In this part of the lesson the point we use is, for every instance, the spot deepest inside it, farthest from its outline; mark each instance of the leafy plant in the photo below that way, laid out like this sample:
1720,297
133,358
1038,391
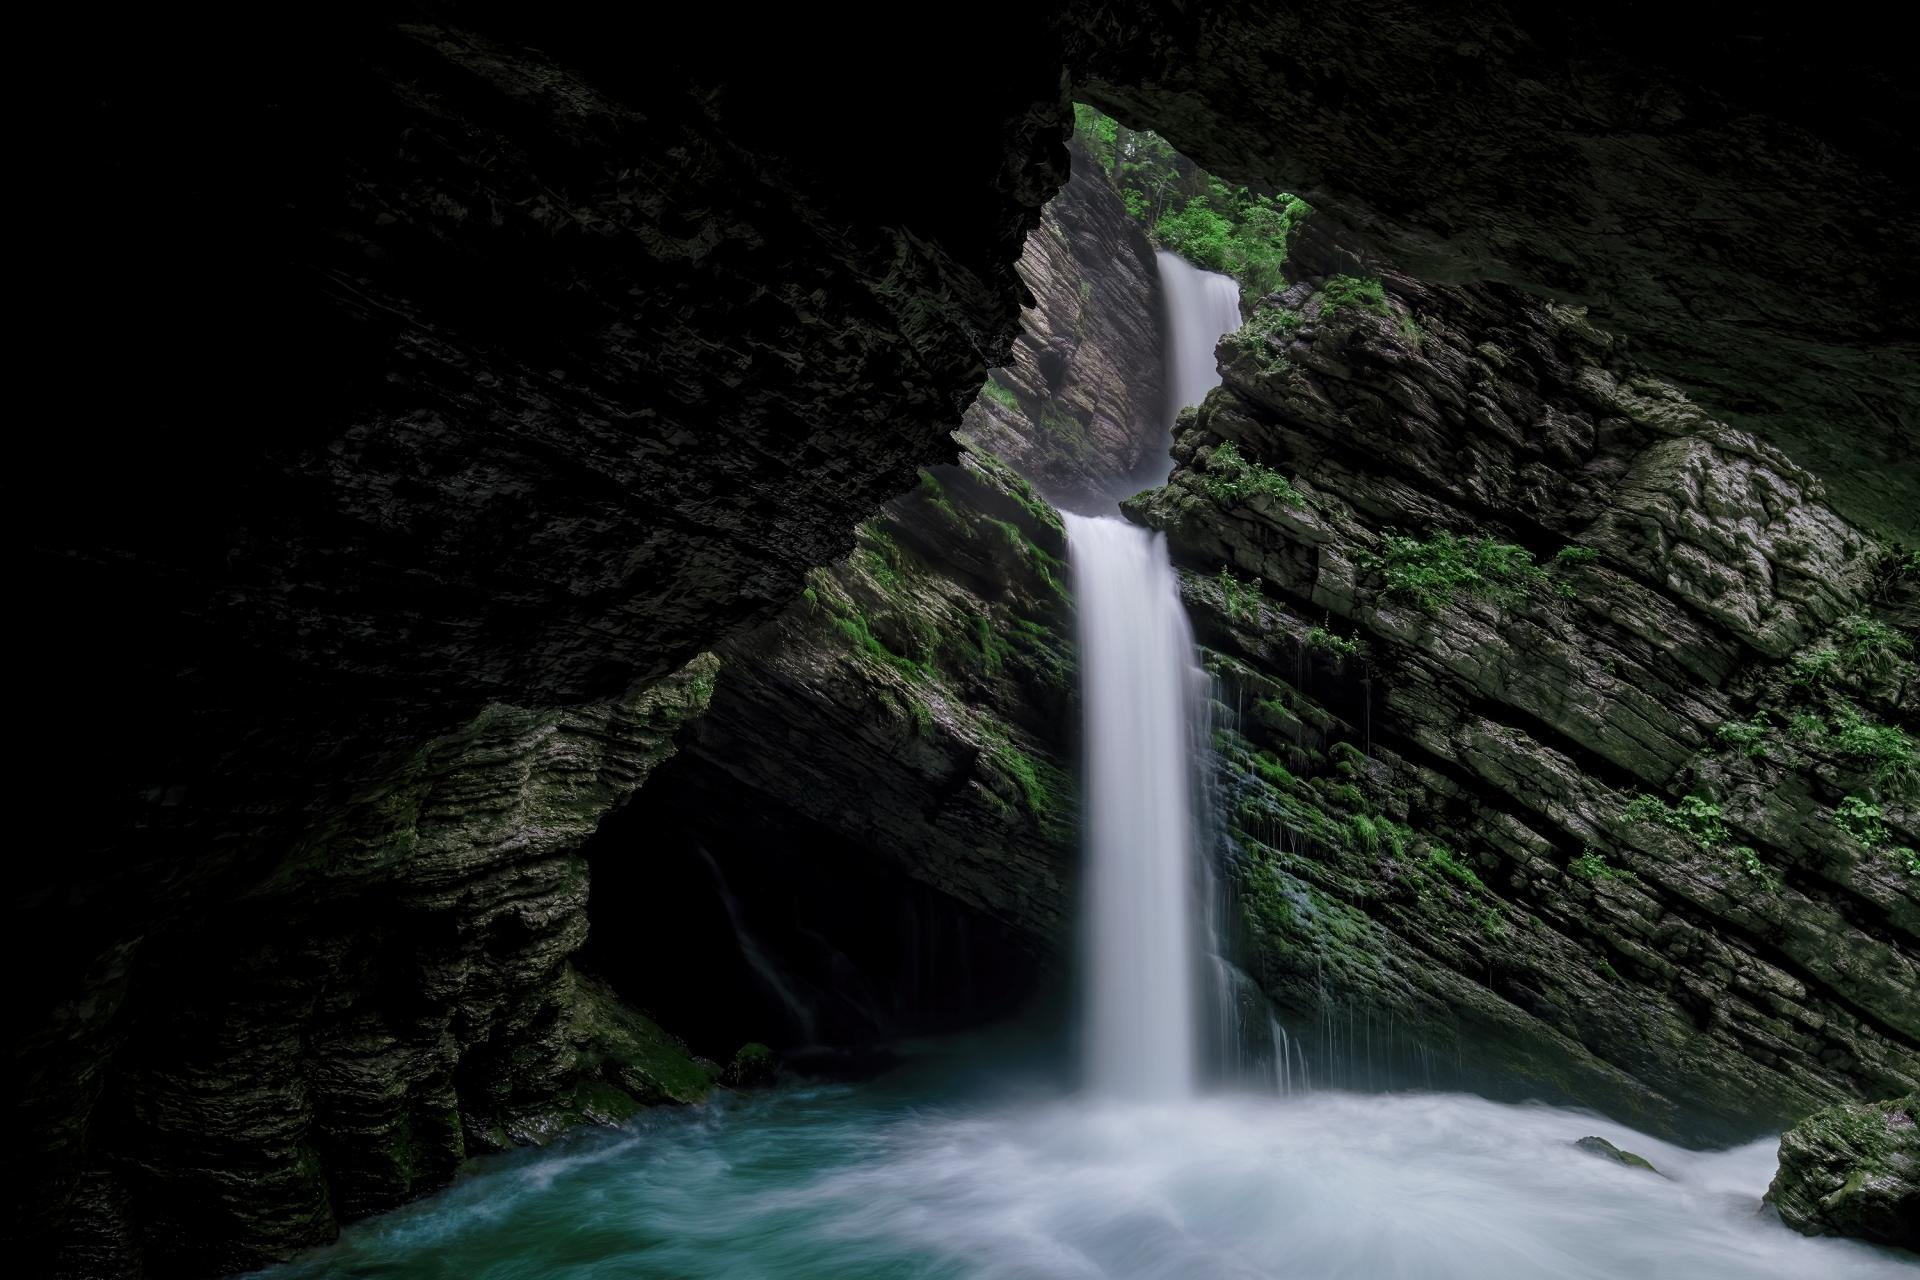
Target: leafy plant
1748,735
1863,820
1242,598
1590,865
1256,335
1437,571
1696,817
1886,748
1233,478
1570,556
1326,641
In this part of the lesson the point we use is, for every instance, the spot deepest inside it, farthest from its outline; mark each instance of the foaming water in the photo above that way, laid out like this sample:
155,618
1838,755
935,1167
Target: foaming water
874,1182
1137,674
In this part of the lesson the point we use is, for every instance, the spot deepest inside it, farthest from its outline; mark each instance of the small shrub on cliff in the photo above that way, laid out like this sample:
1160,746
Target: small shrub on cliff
1870,647
1590,865
1256,335
1695,817
1435,572
1242,599
1568,557
1748,735
1340,648
1365,293
1233,478
1887,749
1749,859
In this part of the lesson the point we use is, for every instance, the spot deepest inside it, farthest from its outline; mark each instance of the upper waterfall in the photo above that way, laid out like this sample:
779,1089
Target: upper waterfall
1201,306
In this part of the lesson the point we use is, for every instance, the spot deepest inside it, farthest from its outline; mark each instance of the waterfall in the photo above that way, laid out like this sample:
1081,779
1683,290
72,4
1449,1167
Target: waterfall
1138,676
750,951
1201,306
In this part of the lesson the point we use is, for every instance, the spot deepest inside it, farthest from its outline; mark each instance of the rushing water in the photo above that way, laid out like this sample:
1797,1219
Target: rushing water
915,1178
1201,306
1137,677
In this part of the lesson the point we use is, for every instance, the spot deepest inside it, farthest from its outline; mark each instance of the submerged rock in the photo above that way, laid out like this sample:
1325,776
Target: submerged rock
1853,1169
1607,1151
753,1065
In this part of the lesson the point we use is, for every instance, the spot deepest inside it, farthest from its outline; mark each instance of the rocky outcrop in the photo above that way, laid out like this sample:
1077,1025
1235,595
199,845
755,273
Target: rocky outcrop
399,997
1081,410
913,701
1569,718
1572,154
1853,1169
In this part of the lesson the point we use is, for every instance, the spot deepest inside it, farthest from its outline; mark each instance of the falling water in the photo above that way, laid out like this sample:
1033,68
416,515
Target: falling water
1201,306
1137,679
764,969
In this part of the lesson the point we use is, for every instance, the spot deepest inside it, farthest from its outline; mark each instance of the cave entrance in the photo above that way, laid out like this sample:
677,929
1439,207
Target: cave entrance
731,920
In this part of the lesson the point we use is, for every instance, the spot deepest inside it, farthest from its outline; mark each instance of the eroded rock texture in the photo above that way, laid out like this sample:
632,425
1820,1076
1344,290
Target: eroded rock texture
1853,1169
1572,152
1080,411
1633,827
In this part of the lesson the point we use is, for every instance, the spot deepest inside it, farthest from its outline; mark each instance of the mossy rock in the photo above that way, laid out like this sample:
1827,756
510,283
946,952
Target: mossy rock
753,1065
1607,1151
1853,1169
628,1050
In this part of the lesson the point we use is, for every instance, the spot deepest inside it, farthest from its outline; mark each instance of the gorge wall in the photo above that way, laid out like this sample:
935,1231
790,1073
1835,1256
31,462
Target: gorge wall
472,375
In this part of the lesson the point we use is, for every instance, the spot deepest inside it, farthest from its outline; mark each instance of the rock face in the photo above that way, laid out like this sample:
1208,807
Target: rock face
1081,410
1580,149
1568,717
1853,1169
400,996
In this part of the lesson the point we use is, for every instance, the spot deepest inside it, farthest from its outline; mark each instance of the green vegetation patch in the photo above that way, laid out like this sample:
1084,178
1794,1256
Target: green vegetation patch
993,392
1749,735
1230,478
1436,571
1361,292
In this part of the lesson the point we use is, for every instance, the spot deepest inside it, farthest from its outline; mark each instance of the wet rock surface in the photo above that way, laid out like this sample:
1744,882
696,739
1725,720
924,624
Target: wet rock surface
1853,1169
1550,732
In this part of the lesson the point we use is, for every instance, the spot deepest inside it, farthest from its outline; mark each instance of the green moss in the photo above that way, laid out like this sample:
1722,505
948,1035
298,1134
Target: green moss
994,393
1442,859
1232,478
1436,571
1019,766
1363,293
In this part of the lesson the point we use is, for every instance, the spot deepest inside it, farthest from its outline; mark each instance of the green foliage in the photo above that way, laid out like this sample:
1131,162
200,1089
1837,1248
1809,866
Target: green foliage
1869,646
1570,556
1365,293
1748,735
1435,572
1749,859
1863,820
994,651
1815,668
1591,865
1806,726
1255,337
1887,749
1211,224
922,716
1233,478
1242,598
1340,647
1695,817
1275,774
1908,860
993,391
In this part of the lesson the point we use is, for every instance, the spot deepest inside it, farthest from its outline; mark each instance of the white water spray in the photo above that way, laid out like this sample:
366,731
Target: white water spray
1137,678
